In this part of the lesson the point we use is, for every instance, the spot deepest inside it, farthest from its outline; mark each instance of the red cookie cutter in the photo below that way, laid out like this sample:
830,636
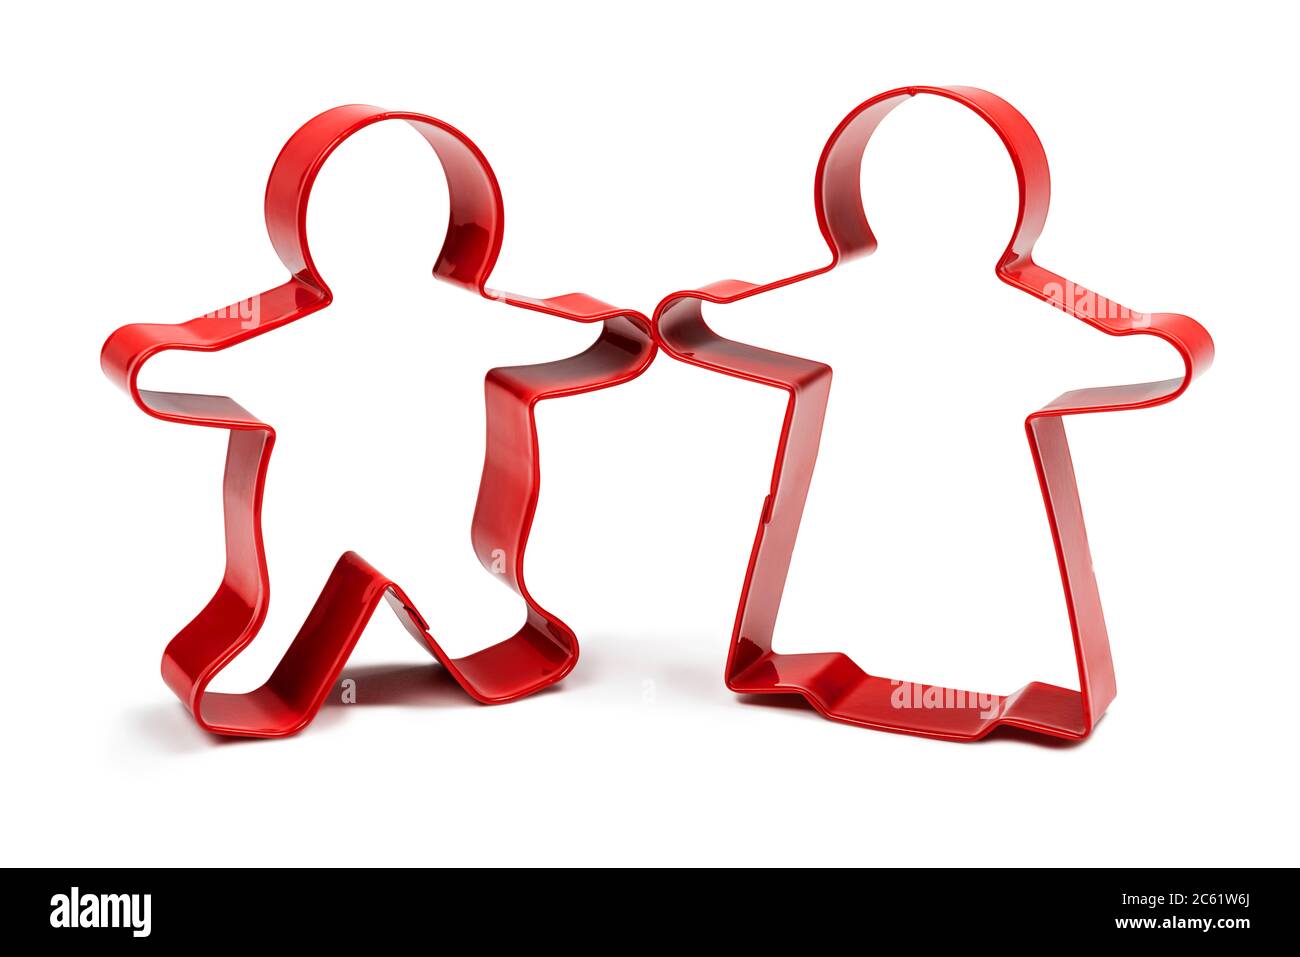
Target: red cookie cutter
831,682
545,649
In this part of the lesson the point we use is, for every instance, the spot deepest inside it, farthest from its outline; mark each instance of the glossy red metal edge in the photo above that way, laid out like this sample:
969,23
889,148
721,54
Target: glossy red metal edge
545,649
831,682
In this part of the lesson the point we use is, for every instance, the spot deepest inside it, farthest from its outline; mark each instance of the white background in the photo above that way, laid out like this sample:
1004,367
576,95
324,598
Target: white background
640,151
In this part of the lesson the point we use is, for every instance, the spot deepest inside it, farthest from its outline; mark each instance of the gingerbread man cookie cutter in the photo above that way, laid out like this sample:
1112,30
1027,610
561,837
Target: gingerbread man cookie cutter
544,650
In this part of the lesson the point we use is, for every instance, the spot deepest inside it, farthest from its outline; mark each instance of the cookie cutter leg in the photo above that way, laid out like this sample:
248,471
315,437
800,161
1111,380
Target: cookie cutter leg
831,682
544,650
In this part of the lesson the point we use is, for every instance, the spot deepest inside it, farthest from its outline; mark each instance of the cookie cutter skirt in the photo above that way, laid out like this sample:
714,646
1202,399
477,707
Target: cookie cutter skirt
831,682
544,650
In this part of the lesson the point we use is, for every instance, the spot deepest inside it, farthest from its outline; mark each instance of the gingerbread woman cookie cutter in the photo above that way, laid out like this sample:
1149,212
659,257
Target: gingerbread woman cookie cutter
831,682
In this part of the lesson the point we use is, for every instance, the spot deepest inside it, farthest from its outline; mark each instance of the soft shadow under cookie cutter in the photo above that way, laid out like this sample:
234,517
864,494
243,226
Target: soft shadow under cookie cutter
831,682
545,649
